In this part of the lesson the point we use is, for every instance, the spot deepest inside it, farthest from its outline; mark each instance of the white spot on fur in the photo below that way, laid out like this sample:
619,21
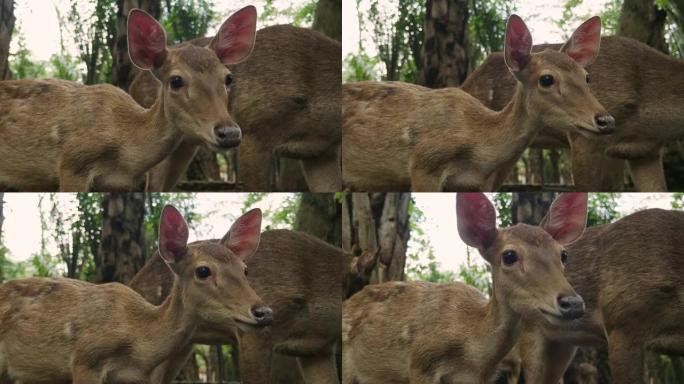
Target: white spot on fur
406,333
68,331
406,134
54,133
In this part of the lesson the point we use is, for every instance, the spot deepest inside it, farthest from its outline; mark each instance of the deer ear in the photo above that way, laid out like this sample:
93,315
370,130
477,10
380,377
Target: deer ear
583,46
146,40
518,44
476,220
235,39
567,217
173,235
243,237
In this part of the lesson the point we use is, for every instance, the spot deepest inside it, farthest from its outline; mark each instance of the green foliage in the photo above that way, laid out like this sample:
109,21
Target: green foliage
477,276
398,36
283,216
602,208
300,16
93,26
21,65
677,200
487,27
360,67
417,269
502,202
185,20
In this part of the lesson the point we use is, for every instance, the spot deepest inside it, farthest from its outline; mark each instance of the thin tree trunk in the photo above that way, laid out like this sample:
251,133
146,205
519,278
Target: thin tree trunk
375,228
122,68
328,18
445,54
6,26
642,20
319,215
2,215
120,255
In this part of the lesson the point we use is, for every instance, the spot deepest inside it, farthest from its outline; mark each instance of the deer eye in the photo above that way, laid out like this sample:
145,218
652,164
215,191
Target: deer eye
176,82
246,272
229,80
588,78
509,257
564,256
203,272
546,81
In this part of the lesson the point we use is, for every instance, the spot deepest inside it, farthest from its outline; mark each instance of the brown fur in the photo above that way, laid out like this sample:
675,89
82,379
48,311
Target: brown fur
286,100
644,93
399,136
301,278
424,333
62,135
59,330
629,273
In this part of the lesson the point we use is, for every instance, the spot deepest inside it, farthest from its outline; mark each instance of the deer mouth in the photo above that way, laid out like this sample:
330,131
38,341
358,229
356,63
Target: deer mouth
248,326
557,318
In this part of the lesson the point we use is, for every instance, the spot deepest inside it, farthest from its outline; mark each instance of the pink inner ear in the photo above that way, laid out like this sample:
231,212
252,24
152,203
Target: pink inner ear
518,43
583,46
567,217
173,234
244,235
146,40
235,40
476,219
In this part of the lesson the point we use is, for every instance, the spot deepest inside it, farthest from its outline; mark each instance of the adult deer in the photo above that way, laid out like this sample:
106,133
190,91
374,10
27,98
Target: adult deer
644,93
420,333
63,135
629,274
398,135
286,100
63,330
301,278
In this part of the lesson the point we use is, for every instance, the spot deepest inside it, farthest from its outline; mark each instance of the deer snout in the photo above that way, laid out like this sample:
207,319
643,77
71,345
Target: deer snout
263,315
605,123
571,306
227,135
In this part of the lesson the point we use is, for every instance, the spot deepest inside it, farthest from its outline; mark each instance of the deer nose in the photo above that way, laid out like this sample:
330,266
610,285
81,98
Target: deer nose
605,123
263,315
227,135
571,307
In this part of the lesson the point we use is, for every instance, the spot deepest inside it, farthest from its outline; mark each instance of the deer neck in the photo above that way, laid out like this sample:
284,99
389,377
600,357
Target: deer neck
499,332
513,130
155,137
173,326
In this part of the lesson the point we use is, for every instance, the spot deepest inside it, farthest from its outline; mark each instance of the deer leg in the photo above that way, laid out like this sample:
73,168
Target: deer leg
318,369
423,181
256,353
255,163
323,174
648,174
83,375
592,170
626,358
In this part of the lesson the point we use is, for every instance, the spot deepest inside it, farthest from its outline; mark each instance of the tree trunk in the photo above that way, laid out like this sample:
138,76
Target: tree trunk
2,216
530,207
122,68
375,229
6,27
328,18
642,20
444,54
319,215
120,255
